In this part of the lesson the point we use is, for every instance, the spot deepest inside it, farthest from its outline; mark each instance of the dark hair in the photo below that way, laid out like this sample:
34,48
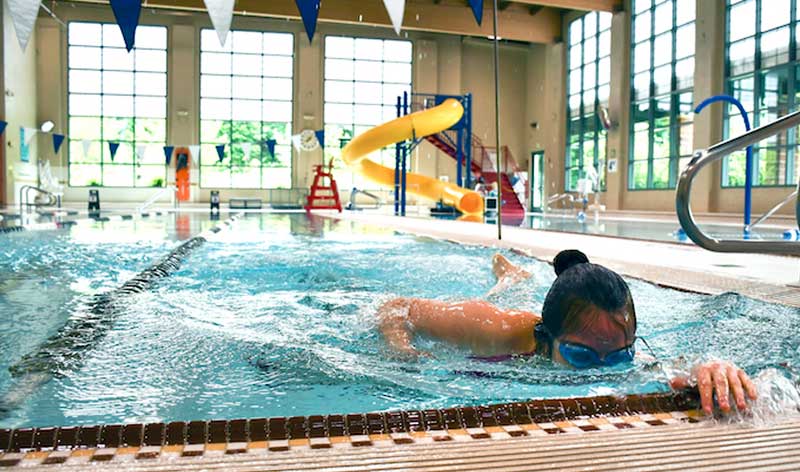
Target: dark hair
579,287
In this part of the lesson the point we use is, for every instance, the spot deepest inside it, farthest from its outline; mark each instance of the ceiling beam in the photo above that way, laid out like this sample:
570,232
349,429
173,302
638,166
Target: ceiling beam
583,5
451,17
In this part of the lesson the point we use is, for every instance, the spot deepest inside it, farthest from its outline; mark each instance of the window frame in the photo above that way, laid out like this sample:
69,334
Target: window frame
229,143
582,115
756,74
652,98
330,151
102,141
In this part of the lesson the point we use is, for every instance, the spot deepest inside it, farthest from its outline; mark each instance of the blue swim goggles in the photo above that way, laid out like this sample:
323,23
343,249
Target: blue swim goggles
583,357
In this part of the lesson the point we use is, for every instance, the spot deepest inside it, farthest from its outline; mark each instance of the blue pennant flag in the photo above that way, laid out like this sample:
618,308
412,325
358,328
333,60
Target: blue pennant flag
309,11
3,125
58,140
271,147
220,152
168,150
477,9
112,146
320,137
127,14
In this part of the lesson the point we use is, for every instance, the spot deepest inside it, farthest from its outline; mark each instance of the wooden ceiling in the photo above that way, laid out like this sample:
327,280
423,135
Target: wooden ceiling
534,21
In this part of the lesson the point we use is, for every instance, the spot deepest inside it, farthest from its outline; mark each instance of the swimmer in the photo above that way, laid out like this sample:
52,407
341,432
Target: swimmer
588,320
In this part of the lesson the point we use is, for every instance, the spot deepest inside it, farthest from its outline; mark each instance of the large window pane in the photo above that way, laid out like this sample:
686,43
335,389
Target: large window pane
116,96
661,102
246,98
763,74
363,78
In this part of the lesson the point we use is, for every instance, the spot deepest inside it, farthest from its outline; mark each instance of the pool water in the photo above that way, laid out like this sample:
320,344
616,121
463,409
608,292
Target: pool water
276,317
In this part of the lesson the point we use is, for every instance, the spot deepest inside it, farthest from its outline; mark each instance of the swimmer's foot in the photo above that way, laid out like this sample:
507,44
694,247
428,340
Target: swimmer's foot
501,266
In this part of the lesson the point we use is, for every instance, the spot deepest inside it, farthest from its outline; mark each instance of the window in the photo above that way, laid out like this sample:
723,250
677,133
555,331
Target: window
119,97
762,71
363,78
246,95
588,77
662,75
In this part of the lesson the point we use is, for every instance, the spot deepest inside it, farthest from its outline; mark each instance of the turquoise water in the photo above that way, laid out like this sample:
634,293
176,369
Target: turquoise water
275,317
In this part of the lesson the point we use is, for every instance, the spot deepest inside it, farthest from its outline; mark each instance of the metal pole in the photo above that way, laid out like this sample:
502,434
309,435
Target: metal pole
468,138
497,125
460,157
404,154
397,163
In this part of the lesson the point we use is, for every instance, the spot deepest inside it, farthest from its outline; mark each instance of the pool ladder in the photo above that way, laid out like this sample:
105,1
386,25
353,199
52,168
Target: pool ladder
716,153
24,198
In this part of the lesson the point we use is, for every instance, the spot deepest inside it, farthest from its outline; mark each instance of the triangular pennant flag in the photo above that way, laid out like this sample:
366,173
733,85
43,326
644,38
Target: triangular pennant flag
168,150
271,147
140,151
23,15
3,125
477,9
247,147
29,133
194,151
86,145
221,13
112,146
220,151
395,8
297,140
309,10
127,14
58,140
320,137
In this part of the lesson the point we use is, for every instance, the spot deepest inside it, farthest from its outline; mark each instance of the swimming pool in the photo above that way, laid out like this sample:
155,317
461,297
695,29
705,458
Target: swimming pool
275,317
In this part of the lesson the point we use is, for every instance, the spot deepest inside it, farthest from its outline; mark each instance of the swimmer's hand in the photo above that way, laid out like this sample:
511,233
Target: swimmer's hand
722,378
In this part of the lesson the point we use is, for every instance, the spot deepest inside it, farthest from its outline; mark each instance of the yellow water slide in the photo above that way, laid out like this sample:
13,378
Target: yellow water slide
416,125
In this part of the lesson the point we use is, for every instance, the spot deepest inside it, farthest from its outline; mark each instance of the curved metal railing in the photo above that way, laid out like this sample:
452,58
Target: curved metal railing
715,153
24,201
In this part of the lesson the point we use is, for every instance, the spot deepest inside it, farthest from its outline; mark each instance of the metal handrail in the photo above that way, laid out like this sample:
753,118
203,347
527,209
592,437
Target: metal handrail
715,153
356,191
765,216
560,197
153,198
23,197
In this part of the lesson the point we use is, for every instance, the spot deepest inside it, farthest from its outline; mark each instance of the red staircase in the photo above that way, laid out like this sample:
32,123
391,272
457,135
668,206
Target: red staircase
324,196
480,160
511,203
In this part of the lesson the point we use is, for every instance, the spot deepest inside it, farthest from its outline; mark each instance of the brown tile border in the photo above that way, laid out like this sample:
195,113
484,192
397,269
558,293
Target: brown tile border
477,421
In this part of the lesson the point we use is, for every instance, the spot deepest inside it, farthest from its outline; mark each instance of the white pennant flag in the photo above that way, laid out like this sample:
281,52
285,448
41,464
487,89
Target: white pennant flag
140,152
395,8
297,140
194,150
28,134
23,14
86,145
247,147
221,13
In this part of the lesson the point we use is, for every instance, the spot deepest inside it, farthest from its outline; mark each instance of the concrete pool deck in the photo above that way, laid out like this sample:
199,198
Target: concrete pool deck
770,278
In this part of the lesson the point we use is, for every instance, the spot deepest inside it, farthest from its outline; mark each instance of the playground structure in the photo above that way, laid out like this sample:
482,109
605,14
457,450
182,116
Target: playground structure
446,122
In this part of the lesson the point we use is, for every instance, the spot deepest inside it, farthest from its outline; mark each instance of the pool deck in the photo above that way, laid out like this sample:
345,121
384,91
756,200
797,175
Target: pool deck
770,278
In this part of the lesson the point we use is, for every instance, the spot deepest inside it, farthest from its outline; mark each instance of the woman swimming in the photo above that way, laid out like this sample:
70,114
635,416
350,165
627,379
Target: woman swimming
588,320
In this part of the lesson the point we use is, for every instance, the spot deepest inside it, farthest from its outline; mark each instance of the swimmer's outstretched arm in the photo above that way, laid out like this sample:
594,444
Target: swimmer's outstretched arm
730,384
394,325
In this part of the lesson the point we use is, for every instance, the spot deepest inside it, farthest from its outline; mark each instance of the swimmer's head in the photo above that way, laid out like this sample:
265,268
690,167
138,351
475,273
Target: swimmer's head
588,305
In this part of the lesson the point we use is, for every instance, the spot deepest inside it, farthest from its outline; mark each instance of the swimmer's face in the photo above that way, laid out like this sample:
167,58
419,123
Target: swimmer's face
607,334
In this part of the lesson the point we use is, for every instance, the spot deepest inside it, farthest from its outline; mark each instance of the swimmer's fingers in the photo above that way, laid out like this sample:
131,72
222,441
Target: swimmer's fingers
736,386
749,386
721,386
706,388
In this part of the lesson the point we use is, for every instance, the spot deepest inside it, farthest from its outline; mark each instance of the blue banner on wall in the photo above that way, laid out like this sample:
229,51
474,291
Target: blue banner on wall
320,137
58,140
309,11
112,146
168,150
3,125
127,14
220,152
477,9
271,147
